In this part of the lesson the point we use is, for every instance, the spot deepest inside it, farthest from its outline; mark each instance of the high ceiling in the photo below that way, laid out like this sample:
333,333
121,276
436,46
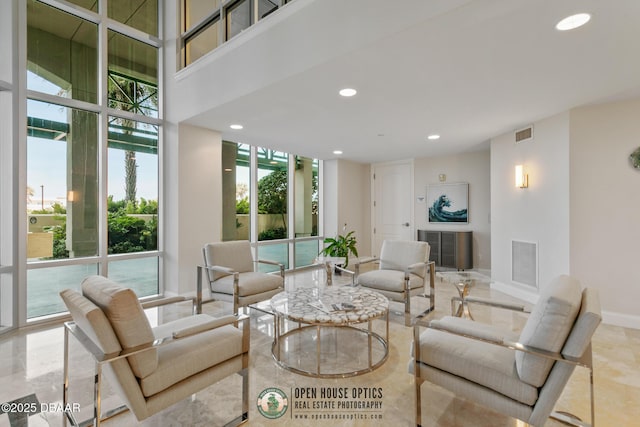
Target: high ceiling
466,70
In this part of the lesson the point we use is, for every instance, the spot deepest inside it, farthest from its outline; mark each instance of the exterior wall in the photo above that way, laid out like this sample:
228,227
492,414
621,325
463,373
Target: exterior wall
539,213
605,206
473,168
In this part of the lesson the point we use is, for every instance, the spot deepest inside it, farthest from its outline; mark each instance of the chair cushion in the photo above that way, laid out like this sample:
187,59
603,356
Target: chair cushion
188,356
90,318
476,393
235,255
249,283
399,254
548,327
491,366
389,280
127,318
464,326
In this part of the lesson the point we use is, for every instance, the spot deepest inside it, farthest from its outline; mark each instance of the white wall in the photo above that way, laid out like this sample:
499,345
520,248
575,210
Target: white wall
539,213
473,168
7,18
605,206
230,71
192,180
582,204
329,207
354,202
347,200
6,184
193,208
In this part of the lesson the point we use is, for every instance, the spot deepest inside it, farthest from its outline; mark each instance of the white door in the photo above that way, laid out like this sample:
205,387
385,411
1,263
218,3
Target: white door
392,203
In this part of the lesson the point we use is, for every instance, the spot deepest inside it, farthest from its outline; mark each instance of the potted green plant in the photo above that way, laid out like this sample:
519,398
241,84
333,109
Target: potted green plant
341,246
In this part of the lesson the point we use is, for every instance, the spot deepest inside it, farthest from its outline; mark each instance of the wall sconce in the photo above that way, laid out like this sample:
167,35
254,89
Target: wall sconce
71,196
522,179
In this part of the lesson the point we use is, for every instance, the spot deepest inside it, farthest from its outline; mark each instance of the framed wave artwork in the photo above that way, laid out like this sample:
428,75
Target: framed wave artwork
448,203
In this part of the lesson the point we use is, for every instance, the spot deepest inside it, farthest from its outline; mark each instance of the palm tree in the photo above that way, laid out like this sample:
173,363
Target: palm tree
128,94
131,177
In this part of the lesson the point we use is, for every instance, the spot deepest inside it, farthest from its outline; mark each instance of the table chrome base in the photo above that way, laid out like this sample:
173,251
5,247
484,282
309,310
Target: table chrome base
275,350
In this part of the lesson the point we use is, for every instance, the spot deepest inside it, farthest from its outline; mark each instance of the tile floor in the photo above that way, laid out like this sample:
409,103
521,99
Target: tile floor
31,362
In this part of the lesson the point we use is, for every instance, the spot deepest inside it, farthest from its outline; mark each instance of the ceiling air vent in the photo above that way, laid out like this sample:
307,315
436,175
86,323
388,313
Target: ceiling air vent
524,134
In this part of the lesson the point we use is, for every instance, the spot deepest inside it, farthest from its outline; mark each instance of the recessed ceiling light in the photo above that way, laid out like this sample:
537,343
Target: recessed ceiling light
236,127
573,22
337,152
433,137
348,92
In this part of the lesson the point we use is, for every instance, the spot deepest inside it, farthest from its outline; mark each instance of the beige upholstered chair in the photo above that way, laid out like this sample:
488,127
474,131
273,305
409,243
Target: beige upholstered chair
152,368
520,376
403,270
230,271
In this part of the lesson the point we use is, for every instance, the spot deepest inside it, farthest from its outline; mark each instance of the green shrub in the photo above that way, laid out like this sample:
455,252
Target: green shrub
60,241
115,206
147,206
126,233
131,234
273,234
242,206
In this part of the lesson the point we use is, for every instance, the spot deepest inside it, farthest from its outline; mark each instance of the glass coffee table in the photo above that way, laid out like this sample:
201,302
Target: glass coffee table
463,282
329,263
327,343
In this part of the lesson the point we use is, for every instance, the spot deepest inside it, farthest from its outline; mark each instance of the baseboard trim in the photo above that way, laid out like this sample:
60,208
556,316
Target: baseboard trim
608,317
619,319
515,291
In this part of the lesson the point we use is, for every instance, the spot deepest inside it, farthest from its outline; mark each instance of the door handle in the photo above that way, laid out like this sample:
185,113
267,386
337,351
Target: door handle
406,224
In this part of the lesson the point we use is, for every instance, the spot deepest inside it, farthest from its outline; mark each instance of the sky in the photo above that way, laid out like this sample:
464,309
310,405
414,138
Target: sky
47,163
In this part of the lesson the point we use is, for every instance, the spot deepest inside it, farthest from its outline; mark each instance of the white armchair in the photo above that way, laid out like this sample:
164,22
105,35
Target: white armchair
151,368
404,267
520,376
230,271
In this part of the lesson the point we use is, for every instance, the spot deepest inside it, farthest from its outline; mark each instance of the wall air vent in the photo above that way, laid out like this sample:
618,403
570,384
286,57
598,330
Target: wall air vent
524,263
524,134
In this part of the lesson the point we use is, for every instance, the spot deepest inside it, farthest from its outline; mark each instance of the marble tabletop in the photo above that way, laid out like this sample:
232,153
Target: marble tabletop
316,305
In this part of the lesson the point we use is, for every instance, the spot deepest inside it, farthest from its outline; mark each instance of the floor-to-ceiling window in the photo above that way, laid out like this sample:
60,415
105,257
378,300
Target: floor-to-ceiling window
62,202
132,204
92,147
271,198
305,181
272,192
236,184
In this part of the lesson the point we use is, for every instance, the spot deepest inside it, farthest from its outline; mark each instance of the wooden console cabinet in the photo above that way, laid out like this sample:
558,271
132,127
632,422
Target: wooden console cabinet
452,249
